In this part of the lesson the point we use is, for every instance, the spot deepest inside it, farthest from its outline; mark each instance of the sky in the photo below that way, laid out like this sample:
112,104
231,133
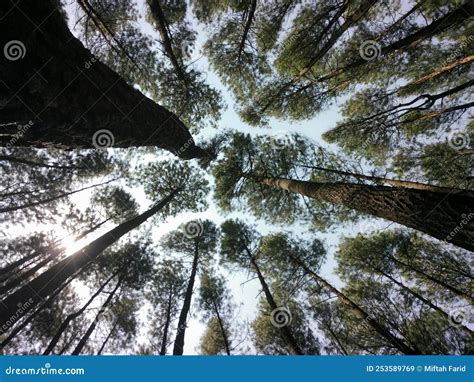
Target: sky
246,294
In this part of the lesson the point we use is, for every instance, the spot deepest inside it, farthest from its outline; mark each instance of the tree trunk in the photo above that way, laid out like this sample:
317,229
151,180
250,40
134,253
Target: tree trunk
52,199
162,26
223,331
59,95
107,338
439,214
164,342
73,316
285,331
379,328
423,300
180,332
248,23
46,283
451,19
435,280
92,326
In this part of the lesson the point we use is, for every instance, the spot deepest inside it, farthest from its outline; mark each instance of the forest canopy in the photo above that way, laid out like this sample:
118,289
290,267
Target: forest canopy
233,177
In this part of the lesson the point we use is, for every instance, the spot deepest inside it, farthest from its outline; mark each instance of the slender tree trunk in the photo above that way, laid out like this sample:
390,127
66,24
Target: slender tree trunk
107,338
46,283
70,95
336,339
162,26
451,19
93,229
52,199
423,300
180,332
248,23
92,326
73,316
223,331
164,342
10,267
439,214
363,315
285,331
434,280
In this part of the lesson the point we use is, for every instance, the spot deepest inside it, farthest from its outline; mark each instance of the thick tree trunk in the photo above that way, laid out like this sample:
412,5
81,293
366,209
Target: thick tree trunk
223,331
45,284
92,326
181,331
439,214
59,95
379,328
285,331
164,342
73,316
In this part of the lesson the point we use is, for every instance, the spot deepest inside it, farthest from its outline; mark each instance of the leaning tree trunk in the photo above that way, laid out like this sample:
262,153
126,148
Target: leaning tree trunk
108,337
285,331
442,215
221,326
55,93
362,314
71,317
45,284
181,331
93,325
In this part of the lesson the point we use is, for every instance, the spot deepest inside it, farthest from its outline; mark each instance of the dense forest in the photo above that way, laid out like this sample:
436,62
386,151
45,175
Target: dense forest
236,177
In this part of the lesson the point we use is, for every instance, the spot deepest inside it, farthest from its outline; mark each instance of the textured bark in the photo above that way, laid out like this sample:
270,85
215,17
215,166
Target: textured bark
361,313
68,95
183,316
73,316
285,331
164,342
439,214
49,281
93,325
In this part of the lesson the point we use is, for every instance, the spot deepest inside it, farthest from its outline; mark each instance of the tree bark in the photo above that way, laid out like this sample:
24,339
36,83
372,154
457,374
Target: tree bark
92,326
285,331
73,316
362,314
46,283
181,331
248,23
439,214
68,95
164,342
